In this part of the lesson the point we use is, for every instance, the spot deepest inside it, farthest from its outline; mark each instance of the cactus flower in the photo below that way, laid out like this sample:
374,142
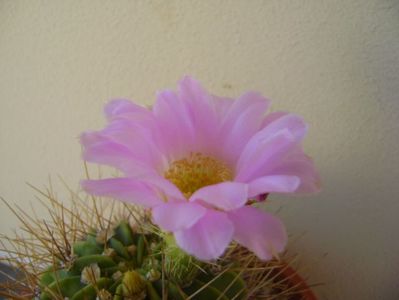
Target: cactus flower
197,161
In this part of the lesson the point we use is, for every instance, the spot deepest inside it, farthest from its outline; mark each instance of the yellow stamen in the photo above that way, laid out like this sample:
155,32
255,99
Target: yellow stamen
196,171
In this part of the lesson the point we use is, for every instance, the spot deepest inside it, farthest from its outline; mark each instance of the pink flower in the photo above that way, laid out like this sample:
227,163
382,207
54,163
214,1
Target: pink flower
196,159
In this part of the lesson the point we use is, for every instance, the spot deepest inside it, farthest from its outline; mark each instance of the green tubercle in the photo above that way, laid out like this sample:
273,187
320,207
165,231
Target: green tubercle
180,267
122,264
134,286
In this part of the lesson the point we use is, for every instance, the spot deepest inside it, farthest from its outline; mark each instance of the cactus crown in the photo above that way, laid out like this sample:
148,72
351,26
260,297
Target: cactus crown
126,264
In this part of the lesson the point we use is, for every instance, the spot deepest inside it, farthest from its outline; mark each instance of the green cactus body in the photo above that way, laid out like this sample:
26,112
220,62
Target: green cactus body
90,290
128,265
67,287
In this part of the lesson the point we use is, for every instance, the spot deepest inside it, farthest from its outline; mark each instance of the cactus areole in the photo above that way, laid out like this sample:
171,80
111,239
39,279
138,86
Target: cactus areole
126,264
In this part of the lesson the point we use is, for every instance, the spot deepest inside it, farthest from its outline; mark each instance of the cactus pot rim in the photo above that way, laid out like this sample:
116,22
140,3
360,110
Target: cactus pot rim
295,279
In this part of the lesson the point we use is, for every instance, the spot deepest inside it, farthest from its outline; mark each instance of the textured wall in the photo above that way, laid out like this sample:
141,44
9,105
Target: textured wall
334,62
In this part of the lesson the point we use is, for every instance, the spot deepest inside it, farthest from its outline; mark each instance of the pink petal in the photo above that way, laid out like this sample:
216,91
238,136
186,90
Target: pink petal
293,123
267,153
175,122
273,184
203,114
225,195
134,126
260,152
102,149
222,105
259,231
118,107
191,91
173,216
241,122
300,165
138,139
163,185
125,189
107,148
278,123
208,238
272,117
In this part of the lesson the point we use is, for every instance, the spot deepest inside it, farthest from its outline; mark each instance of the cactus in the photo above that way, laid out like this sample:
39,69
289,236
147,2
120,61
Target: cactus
127,264
66,257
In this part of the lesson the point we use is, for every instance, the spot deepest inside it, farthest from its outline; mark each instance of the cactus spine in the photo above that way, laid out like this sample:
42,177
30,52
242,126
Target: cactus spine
126,264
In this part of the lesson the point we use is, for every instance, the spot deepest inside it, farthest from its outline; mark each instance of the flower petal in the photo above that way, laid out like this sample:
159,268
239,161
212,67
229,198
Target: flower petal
163,185
173,216
208,238
299,164
260,151
119,107
113,146
203,113
125,189
290,125
272,117
134,127
241,122
225,195
291,122
222,105
259,231
175,122
273,184
102,149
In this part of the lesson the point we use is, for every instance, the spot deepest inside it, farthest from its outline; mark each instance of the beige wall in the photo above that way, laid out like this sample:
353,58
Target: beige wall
334,62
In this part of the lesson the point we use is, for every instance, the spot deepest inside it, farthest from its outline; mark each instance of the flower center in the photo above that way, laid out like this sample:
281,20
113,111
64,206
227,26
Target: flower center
196,171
